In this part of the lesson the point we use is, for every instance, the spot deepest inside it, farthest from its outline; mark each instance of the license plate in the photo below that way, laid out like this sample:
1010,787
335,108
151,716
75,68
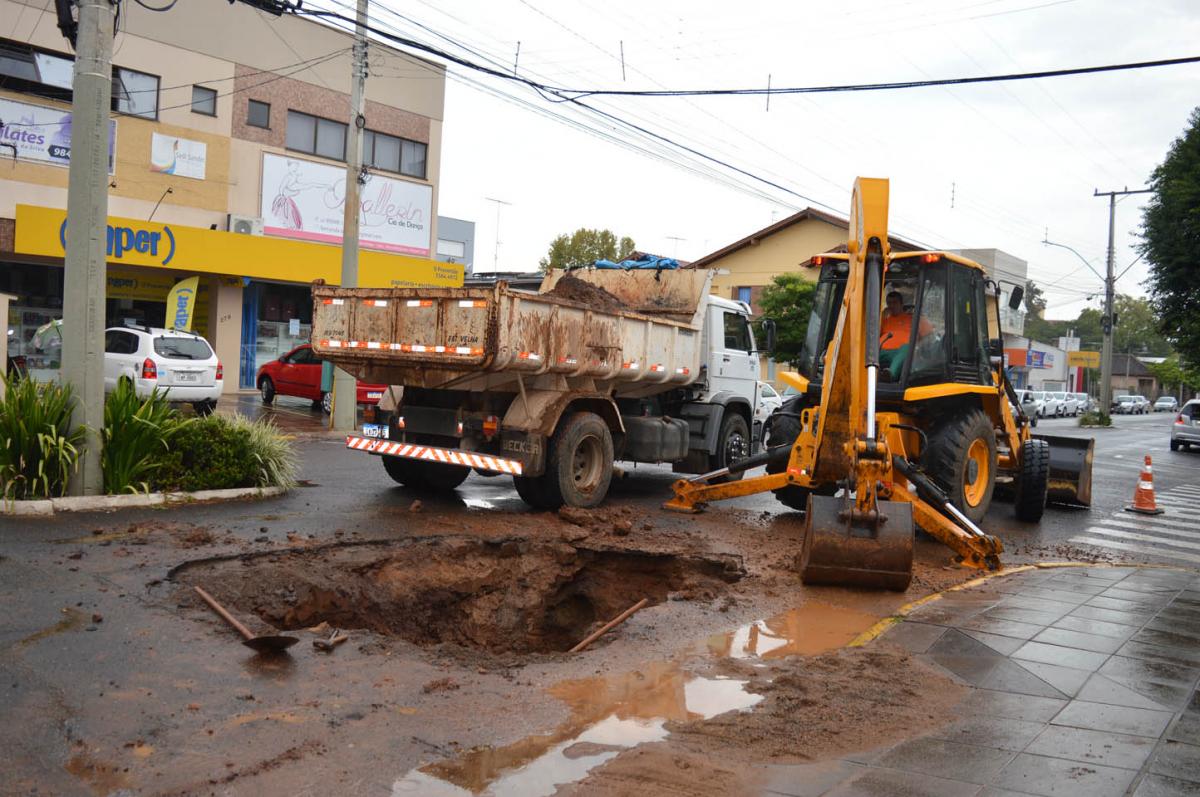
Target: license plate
374,395
185,376
374,430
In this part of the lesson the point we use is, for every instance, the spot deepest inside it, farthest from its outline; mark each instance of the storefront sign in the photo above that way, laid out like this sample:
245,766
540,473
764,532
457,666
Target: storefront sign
180,303
1083,359
1036,359
178,156
41,231
43,134
303,199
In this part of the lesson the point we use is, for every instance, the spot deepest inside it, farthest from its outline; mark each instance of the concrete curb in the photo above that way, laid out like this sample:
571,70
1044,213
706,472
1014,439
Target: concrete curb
94,503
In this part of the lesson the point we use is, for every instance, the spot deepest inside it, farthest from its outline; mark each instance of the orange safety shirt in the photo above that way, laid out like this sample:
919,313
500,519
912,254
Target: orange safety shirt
901,328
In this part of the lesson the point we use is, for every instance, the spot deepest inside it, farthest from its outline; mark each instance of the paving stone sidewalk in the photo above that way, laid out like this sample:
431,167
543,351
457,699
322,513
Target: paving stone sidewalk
1084,683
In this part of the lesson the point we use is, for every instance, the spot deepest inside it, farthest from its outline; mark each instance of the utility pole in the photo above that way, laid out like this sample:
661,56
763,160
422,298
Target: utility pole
87,224
345,386
1110,282
496,253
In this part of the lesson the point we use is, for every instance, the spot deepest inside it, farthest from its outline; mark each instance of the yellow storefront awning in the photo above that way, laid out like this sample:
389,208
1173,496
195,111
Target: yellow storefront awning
42,232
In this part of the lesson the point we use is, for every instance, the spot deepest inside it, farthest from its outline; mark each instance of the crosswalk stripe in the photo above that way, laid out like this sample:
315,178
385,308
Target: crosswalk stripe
1168,519
1137,525
1185,488
1135,548
1131,535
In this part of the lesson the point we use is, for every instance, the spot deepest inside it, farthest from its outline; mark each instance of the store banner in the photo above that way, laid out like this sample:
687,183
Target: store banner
303,199
178,156
43,134
181,301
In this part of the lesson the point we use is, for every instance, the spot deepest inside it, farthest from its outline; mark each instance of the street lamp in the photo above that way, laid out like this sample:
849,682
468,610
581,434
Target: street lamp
1106,324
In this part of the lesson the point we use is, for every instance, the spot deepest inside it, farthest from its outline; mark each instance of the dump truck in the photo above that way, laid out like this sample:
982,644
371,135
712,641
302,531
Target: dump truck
548,387
904,417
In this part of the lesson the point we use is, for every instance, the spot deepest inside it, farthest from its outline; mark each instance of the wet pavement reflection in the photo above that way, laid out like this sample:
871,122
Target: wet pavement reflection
608,714
292,415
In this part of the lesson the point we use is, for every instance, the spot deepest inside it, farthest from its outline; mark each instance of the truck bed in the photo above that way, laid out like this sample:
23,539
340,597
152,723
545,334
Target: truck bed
497,338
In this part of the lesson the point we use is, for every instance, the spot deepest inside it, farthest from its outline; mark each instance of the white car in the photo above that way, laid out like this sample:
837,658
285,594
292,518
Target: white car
769,400
1052,406
1084,401
1068,403
180,365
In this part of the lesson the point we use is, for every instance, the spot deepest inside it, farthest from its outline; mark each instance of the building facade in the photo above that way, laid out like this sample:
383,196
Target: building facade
456,242
227,149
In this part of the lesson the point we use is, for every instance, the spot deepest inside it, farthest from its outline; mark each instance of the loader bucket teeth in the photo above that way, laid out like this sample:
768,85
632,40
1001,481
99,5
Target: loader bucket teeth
1070,479
842,552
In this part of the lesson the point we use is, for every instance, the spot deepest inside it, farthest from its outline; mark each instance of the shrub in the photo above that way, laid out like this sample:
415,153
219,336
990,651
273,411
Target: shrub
137,438
1096,418
38,448
208,454
274,457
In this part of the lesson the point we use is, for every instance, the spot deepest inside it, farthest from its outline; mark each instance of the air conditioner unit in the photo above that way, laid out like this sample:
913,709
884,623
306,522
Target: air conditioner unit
245,225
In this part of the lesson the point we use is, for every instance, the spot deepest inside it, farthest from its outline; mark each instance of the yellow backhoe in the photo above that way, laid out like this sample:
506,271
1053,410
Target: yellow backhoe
904,415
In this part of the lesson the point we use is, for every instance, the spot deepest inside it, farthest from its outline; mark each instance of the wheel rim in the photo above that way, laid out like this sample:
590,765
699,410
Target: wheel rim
735,448
587,463
975,479
327,403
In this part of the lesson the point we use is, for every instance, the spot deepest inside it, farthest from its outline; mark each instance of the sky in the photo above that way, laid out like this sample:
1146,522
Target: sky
978,166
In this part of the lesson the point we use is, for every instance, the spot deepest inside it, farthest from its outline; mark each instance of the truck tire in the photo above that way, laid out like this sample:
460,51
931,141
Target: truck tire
961,458
533,492
579,464
733,444
431,477
783,431
1032,481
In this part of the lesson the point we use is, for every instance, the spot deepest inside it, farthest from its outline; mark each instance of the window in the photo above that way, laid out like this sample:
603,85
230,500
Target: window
316,136
743,294
117,342
737,332
451,248
24,69
258,114
204,100
135,93
182,348
393,154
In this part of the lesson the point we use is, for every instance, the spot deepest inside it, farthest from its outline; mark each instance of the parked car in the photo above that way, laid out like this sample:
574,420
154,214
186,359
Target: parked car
1185,431
1029,405
180,365
298,373
1166,404
1086,403
769,401
1051,406
1131,405
1068,404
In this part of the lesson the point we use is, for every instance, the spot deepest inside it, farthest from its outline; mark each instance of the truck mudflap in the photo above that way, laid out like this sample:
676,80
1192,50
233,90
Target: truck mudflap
448,456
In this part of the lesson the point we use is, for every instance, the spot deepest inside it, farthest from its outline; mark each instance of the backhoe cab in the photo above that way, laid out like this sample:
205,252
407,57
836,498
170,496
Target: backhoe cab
903,416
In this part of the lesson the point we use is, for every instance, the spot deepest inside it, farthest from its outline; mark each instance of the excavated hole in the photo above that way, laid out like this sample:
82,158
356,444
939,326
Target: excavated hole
501,596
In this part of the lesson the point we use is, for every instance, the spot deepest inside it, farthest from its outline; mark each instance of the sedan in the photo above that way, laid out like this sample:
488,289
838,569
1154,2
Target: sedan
298,373
1166,404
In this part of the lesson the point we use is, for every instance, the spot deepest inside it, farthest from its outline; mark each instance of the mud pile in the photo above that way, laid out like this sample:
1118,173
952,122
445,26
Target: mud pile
501,596
573,289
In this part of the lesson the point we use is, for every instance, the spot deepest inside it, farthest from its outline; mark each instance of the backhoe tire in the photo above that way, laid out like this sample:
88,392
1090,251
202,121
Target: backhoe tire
733,444
784,430
1032,481
579,465
961,458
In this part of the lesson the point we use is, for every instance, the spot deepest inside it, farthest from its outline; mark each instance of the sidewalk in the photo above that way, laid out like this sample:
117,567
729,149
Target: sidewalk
1084,684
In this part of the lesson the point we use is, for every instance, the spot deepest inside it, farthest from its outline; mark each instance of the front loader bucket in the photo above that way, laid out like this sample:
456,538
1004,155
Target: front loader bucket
1070,470
849,553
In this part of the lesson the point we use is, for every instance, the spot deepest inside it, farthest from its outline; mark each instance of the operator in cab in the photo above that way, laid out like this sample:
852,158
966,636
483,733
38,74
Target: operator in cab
895,333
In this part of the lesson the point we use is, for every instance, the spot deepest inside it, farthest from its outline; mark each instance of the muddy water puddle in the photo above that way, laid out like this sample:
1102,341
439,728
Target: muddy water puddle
803,631
608,715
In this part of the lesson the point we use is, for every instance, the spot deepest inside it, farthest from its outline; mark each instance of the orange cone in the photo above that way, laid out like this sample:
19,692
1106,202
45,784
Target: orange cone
1143,495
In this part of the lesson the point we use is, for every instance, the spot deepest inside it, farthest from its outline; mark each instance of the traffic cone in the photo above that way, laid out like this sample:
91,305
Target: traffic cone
1143,495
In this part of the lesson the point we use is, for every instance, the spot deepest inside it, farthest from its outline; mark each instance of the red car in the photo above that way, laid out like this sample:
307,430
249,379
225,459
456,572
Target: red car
298,373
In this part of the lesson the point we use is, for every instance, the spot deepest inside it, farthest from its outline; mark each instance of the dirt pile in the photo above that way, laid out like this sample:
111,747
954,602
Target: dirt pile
573,289
498,595
814,708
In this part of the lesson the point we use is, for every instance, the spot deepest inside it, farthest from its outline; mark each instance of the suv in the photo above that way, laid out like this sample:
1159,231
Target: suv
180,365
1185,432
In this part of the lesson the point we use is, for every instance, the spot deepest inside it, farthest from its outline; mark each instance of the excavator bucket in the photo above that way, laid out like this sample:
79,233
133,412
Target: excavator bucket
845,552
1070,470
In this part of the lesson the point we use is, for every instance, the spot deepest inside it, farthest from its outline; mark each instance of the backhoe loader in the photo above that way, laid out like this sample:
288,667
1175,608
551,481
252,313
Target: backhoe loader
905,415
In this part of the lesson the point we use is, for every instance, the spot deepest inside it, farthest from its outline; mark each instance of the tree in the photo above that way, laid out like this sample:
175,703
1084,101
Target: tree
1170,239
788,302
1137,329
584,247
1035,300
1173,375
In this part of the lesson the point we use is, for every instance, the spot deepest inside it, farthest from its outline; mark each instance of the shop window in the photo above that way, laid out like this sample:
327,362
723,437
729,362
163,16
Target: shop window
135,93
204,100
258,114
316,136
